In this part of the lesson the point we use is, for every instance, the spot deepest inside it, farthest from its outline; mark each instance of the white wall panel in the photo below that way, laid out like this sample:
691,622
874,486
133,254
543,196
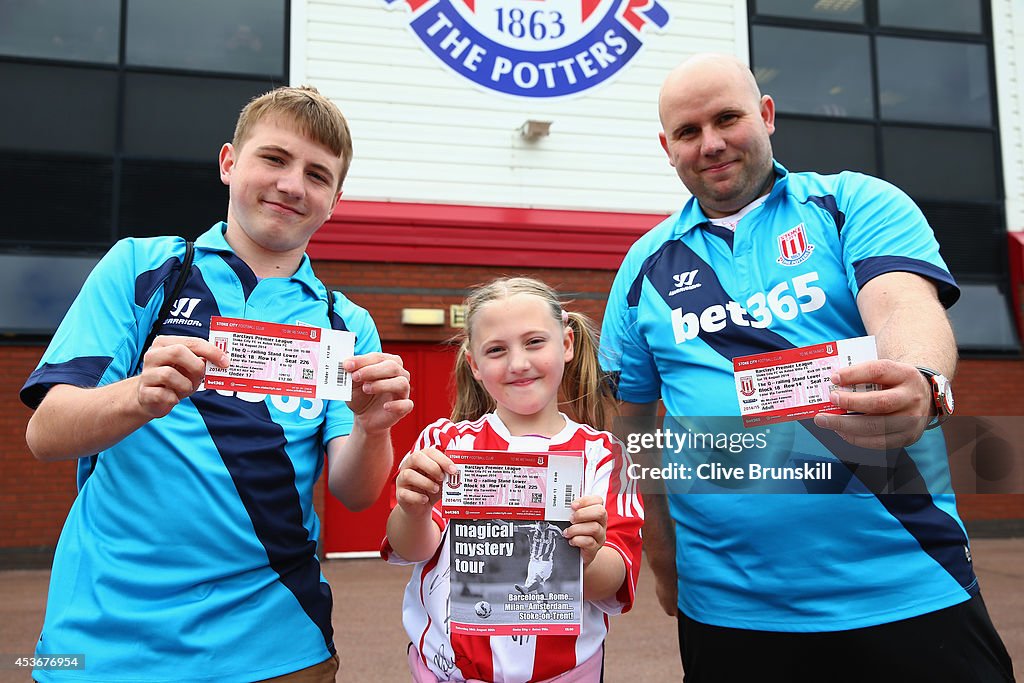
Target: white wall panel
426,134
1008,36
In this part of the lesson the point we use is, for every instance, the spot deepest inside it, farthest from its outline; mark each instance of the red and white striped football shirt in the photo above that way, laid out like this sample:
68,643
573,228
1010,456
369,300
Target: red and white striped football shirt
521,659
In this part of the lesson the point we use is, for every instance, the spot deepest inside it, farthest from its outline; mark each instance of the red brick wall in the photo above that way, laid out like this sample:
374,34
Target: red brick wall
35,496
990,387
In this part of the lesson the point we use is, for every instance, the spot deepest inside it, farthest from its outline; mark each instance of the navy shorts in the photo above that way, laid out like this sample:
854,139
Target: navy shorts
958,644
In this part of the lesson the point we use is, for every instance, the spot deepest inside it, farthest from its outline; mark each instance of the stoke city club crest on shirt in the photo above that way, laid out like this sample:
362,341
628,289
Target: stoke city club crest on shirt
534,48
794,248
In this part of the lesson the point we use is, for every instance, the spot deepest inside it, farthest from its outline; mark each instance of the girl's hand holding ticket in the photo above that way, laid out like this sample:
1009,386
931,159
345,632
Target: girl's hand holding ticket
589,526
420,478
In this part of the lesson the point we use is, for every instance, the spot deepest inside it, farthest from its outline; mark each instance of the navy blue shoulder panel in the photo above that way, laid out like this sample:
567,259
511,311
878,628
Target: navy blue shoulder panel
633,296
726,234
147,283
828,202
867,269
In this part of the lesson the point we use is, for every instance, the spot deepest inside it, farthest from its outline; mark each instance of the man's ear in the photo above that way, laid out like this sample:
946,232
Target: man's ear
226,162
768,113
664,145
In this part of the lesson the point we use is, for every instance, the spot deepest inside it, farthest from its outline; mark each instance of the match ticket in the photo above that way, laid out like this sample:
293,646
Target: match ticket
795,384
492,484
287,360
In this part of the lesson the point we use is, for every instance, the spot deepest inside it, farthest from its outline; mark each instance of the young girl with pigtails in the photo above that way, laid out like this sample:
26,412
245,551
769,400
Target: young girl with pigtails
523,356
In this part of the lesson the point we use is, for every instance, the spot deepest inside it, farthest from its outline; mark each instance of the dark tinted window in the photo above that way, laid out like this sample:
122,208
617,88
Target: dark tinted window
233,36
820,10
63,109
97,146
38,290
197,130
78,30
941,15
972,238
53,199
824,146
838,85
934,81
981,319
930,128
941,164
147,209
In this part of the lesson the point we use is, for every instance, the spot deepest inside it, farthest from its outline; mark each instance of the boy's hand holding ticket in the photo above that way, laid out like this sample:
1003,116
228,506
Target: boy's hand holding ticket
287,360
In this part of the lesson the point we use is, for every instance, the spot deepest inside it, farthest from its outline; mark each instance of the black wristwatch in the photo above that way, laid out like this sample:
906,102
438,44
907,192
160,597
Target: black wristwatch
942,395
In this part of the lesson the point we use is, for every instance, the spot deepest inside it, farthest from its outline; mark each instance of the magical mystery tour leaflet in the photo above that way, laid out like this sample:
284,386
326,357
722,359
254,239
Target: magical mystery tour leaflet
512,571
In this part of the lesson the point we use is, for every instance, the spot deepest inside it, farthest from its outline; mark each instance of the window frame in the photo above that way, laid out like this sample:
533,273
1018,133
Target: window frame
998,276
27,242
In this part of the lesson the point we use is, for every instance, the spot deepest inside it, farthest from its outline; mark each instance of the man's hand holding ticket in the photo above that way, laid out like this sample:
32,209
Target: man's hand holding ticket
796,384
287,360
894,416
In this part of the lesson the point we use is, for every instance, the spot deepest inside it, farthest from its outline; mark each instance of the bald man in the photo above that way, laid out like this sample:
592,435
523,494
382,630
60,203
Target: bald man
875,582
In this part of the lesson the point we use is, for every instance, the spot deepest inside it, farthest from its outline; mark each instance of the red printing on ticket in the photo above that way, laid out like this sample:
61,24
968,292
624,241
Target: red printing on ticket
795,384
785,356
219,324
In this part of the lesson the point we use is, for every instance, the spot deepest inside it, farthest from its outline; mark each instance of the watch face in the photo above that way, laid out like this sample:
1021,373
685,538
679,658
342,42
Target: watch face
947,398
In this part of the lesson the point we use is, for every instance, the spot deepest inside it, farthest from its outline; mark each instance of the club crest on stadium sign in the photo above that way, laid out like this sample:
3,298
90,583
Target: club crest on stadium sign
534,48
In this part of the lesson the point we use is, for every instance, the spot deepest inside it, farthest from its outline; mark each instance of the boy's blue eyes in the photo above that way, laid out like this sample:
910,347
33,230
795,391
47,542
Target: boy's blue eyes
315,176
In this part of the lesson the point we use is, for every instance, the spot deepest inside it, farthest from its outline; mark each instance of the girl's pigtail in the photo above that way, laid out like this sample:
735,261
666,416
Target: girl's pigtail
471,401
584,388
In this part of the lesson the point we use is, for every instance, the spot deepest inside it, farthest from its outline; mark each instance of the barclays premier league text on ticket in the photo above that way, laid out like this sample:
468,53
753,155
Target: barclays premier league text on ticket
795,384
499,484
287,360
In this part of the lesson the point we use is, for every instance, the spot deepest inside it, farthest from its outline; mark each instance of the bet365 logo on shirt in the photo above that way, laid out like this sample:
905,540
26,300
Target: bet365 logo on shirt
785,301
534,48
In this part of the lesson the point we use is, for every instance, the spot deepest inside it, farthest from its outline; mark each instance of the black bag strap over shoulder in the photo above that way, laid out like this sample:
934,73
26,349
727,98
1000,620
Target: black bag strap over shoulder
335,320
165,309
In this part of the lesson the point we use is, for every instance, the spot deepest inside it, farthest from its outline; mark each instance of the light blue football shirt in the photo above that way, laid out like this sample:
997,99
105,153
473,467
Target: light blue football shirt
190,551
688,298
